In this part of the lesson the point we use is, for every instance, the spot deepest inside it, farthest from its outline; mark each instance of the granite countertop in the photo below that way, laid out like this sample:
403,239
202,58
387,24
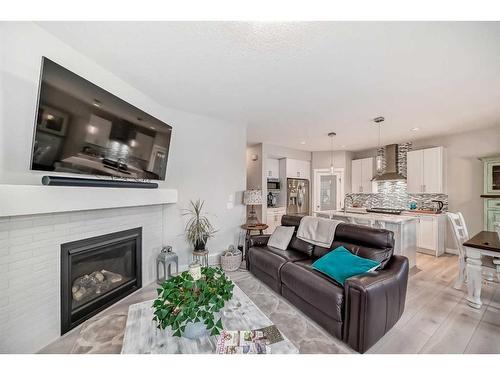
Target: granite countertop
417,213
395,219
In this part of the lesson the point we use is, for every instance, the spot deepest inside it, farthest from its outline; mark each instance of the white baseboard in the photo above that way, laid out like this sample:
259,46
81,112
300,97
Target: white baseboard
451,251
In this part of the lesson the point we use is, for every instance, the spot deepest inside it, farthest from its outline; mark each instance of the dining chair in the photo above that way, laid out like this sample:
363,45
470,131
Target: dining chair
497,227
461,235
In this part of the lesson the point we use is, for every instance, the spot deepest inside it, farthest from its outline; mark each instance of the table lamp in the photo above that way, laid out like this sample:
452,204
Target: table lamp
252,198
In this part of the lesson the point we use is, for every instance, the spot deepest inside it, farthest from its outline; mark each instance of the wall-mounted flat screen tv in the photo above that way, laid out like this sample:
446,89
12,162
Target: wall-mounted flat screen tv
83,129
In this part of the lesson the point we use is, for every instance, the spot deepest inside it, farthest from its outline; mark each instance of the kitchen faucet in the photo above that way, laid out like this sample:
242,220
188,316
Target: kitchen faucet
345,199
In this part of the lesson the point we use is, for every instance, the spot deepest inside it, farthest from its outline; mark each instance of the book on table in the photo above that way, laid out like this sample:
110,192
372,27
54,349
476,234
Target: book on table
256,341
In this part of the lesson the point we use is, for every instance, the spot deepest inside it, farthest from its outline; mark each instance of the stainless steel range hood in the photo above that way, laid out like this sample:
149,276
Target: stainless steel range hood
391,165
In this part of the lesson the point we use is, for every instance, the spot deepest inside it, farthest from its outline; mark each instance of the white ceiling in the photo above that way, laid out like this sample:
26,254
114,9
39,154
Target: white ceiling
295,82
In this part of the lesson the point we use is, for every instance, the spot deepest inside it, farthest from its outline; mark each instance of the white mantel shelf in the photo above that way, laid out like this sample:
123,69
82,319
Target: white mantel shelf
18,200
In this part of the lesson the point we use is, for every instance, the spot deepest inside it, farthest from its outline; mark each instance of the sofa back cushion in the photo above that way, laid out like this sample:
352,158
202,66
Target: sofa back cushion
300,245
363,241
291,221
296,243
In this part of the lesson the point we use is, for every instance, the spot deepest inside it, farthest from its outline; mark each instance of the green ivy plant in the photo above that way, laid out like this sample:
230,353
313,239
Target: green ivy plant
182,300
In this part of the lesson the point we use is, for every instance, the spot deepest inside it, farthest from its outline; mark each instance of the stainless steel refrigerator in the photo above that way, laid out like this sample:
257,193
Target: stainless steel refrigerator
297,196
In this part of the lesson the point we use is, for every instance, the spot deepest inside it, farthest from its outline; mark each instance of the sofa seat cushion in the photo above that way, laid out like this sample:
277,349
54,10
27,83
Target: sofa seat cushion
290,255
315,288
270,259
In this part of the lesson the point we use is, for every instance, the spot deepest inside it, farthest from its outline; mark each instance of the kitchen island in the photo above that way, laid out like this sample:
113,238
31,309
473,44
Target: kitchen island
404,228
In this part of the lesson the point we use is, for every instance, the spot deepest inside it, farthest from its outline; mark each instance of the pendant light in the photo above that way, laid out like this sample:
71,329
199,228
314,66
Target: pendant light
379,159
331,135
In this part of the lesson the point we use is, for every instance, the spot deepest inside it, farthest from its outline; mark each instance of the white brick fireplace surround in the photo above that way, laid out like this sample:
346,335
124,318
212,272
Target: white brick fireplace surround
30,266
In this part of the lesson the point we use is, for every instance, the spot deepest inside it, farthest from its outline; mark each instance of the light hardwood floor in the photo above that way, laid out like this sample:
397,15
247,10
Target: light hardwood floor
436,319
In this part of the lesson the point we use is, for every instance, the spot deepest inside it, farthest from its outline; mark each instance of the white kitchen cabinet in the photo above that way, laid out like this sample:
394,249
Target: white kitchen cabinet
362,175
298,168
98,131
274,216
356,176
431,231
142,146
433,170
415,172
273,168
367,175
304,169
425,171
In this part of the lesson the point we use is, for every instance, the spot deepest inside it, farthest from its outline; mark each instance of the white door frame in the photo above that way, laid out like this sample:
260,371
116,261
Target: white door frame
317,173
154,150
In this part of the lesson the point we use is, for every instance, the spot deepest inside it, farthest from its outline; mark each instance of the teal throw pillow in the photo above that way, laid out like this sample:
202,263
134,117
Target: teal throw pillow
340,264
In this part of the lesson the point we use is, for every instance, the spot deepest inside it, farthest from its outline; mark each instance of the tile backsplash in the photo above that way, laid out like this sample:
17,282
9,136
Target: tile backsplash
393,194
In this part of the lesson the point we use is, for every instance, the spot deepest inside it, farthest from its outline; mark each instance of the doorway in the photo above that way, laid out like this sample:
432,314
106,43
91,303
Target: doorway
328,189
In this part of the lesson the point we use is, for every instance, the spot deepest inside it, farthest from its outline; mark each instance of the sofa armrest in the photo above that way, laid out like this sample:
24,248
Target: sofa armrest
258,240
255,241
374,303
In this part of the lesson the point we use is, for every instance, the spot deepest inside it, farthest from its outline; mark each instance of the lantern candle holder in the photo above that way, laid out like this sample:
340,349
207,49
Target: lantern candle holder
164,263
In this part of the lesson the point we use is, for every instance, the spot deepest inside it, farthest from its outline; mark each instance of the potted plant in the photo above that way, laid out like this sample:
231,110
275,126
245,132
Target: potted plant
198,228
190,307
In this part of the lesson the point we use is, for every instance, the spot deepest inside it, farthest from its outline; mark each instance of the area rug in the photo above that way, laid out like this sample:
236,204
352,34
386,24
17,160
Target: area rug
103,335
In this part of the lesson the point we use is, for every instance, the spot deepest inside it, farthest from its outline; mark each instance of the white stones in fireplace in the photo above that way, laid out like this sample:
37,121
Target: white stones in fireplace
30,256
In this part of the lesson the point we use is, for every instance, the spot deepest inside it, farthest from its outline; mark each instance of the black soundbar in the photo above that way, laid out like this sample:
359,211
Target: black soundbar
92,182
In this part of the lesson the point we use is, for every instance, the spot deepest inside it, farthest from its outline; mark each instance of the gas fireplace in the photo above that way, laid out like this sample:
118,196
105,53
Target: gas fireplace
97,272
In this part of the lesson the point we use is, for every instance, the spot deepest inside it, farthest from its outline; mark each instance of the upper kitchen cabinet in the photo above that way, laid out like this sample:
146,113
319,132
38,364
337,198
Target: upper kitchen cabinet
273,168
362,175
425,171
142,146
491,192
98,131
297,168
491,175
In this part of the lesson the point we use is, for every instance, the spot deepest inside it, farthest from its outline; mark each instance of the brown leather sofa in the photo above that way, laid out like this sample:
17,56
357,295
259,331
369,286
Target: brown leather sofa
360,312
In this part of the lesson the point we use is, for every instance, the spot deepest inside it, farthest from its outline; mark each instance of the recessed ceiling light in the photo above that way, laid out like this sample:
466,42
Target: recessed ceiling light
303,142
415,129
152,127
96,103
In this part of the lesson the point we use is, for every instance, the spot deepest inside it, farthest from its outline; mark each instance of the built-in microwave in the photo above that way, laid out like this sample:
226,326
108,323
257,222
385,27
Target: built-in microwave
273,184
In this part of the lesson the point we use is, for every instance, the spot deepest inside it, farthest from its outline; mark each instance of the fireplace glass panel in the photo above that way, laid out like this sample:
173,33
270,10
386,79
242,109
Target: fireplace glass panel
99,272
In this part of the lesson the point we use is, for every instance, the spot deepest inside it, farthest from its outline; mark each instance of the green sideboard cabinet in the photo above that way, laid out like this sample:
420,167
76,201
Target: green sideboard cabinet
491,192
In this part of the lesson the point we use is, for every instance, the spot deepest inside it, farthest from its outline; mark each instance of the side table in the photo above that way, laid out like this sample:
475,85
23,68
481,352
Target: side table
249,228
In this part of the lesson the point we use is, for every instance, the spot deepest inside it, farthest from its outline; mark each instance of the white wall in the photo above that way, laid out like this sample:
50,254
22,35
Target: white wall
255,172
207,155
464,172
279,152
